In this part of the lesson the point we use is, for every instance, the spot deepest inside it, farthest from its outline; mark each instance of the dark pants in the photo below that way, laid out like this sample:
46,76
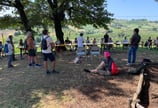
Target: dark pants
21,53
10,59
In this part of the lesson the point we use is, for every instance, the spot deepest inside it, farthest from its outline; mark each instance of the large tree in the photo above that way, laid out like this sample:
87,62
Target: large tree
78,12
20,8
61,12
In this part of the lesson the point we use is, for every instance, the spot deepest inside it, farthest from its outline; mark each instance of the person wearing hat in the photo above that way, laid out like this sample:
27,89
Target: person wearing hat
105,67
10,38
9,52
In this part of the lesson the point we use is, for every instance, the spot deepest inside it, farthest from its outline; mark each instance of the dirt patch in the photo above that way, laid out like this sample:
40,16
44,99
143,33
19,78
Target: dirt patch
25,87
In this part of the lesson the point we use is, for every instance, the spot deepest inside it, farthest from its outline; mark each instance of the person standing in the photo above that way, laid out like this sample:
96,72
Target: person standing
106,37
11,41
47,52
134,43
21,47
32,58
9,53
80,40
106,40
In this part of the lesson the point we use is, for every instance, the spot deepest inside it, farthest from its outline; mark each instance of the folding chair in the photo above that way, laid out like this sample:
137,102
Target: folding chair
95,50
81,52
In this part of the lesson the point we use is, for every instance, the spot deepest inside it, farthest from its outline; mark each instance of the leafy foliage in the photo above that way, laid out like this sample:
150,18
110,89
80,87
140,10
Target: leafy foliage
74,12
9,21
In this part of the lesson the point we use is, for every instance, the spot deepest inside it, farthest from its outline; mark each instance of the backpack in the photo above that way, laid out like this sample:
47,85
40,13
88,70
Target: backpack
6,50
114,69
44,43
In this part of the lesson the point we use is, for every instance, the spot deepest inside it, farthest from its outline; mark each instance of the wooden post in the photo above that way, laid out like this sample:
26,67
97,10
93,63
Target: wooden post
139,87
141,97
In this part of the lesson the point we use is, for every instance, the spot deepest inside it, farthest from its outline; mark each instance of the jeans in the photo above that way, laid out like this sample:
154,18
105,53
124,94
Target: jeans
10,59
132,52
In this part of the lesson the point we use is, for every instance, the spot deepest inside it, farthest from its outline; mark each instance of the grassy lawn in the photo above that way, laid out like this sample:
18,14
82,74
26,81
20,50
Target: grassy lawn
30,87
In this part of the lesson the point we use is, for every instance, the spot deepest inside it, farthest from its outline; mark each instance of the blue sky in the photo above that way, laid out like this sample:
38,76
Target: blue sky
133,9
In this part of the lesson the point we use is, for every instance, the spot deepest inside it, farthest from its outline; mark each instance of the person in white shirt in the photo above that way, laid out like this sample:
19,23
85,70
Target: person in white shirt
9,53
125,40
80,40
47,53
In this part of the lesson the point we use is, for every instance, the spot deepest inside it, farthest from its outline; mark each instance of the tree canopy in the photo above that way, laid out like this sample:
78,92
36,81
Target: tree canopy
33,13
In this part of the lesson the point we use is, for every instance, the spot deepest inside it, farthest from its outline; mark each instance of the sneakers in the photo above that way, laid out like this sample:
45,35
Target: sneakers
10,66
128,64
48,72
55,72
38,65
30,64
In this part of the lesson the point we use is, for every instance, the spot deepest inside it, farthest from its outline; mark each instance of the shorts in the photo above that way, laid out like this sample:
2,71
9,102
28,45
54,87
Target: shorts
32,52
49,56
0,50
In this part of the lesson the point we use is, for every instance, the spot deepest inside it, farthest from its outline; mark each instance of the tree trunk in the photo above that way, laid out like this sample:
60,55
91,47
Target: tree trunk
58,16
58,30
23,16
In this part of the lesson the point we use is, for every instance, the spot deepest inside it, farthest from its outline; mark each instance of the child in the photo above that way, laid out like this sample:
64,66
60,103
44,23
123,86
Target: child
106,67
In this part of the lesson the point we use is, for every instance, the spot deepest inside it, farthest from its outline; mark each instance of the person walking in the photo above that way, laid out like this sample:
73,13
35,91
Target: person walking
134,43
47,45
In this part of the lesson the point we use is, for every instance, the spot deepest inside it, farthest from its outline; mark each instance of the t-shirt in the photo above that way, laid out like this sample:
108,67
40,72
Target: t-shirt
80,41
135,40
49,47
108,63
10,49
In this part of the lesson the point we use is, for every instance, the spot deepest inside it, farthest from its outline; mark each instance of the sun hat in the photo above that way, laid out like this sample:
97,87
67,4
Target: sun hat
106,54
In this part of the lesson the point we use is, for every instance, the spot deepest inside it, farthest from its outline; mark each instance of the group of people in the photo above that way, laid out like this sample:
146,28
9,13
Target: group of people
105,67
30,47
8,49
149,43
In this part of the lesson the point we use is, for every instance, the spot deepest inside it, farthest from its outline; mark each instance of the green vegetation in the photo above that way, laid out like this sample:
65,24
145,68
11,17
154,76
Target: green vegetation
119,29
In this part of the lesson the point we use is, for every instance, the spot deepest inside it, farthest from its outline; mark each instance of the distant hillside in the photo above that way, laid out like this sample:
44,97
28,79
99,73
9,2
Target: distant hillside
118,30
121,28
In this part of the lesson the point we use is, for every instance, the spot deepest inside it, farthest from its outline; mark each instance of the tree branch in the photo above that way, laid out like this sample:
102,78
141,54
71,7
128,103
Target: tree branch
6,4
